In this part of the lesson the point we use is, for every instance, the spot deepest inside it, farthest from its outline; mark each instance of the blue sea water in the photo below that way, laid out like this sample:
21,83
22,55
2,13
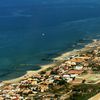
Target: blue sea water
33,30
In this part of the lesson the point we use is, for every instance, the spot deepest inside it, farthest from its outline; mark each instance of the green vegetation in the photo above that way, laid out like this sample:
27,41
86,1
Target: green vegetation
83,91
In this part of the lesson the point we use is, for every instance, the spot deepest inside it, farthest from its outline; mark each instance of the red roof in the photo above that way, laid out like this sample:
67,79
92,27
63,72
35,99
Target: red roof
75,72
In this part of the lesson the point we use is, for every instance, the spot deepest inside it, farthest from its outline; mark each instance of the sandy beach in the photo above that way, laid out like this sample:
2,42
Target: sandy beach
29,74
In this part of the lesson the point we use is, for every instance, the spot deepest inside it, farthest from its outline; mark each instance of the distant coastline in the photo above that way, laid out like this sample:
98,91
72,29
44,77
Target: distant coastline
56,60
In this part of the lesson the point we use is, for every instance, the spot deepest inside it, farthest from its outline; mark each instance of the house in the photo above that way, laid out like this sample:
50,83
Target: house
78,67
75,72
73,75
36,75
1,98
48,73
27,91
70,63
66,76
43,87
31,96
77,60
1,84
57,77
69,80
34,82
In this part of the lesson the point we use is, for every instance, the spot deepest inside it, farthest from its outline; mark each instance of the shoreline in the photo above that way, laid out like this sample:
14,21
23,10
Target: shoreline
78,68
62,57
28,74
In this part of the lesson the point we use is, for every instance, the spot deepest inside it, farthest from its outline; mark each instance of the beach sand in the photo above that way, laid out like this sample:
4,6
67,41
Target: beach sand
28,74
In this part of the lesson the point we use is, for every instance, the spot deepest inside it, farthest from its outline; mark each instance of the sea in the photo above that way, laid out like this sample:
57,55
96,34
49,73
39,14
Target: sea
32,32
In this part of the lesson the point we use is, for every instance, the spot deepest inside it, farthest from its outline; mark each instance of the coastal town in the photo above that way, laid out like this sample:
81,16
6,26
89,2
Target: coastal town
75,75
